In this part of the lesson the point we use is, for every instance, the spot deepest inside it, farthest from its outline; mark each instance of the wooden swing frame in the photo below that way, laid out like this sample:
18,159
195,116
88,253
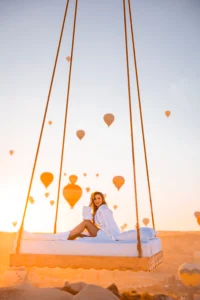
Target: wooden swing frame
18,259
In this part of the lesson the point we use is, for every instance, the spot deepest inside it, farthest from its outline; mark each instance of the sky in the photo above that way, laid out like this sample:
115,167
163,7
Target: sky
167,40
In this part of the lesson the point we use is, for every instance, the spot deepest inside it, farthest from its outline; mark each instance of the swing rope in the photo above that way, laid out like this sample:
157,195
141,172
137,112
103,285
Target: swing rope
140,109
65,124
65,119
139,247
41,131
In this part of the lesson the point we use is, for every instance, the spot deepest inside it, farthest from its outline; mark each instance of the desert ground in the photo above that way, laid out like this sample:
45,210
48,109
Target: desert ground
178,248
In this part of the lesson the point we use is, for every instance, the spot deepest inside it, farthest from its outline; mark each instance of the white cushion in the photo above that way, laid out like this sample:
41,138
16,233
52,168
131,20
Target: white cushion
146,234
149,232
131,235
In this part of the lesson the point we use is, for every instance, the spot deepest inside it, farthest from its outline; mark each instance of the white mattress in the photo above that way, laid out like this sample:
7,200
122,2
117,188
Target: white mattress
108,248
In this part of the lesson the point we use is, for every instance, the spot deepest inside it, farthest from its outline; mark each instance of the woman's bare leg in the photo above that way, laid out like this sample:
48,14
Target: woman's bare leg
86,224
78,235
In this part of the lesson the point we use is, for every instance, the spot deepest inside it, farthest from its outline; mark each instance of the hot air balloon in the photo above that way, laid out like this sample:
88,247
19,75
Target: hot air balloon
31,200
189,274
65,174
115,206
46,194
87,189
11,152
46,178
72,193
167,113
118,181
97,175
68,58
14,223
80,134
73,178
108,119
197,214
145,221
84,174
52,202
123,227
50,122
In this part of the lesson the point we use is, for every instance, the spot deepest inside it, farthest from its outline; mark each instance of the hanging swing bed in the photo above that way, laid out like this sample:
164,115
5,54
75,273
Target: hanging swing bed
54,250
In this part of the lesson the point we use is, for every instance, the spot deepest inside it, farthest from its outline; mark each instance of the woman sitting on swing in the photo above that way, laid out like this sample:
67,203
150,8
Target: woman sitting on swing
98,220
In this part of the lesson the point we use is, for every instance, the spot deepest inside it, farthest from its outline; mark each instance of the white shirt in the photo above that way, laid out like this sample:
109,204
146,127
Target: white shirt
104,219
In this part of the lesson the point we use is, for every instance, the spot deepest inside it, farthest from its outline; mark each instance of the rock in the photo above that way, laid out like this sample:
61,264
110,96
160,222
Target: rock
73,288
162,297
131,296
32,293
146,296
94,292
136,297
113,288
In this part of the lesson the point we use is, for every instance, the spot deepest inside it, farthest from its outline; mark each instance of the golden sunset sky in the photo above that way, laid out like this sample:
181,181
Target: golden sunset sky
168,55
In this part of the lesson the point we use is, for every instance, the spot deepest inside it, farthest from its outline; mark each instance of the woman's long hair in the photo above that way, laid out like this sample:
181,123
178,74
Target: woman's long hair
94,207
